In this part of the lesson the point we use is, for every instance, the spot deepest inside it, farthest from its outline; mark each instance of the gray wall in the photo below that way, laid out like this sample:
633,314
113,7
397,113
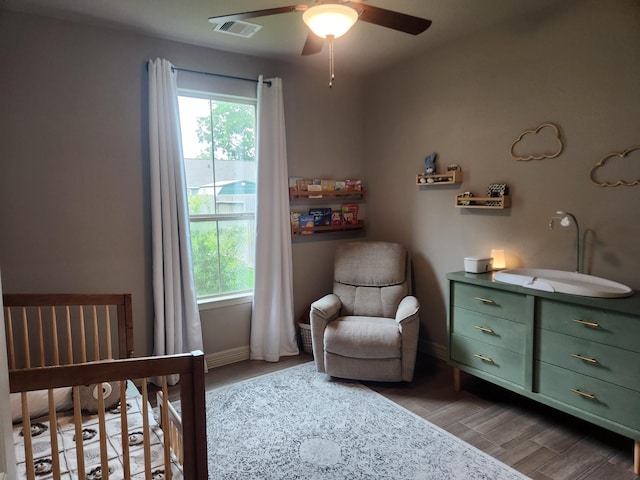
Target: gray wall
74,188
74,208
576,65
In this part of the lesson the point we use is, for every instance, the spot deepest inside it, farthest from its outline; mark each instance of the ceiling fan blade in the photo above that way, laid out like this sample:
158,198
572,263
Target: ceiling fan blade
313,44
387,18
256,13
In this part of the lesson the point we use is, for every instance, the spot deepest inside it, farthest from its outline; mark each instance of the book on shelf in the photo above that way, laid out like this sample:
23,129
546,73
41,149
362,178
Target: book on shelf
295,220
306,221
350,214
321,216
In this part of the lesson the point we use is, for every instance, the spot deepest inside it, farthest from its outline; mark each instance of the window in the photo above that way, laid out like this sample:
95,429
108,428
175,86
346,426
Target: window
218,140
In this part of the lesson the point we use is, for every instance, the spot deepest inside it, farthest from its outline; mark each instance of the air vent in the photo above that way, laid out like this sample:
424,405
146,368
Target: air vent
240,29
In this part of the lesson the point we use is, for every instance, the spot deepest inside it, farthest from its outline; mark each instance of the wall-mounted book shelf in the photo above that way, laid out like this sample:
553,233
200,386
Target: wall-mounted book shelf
324,195
340,228
448,178
495,203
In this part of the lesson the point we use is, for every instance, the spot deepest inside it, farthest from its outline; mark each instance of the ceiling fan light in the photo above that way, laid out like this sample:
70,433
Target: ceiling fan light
330,19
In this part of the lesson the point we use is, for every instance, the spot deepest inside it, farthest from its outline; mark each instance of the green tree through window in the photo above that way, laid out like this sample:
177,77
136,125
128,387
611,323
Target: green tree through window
218,136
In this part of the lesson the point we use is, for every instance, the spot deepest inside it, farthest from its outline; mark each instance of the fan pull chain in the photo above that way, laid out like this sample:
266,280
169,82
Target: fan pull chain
332,74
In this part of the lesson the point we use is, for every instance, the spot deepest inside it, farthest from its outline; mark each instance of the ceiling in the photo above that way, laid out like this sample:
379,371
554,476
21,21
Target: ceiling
363,50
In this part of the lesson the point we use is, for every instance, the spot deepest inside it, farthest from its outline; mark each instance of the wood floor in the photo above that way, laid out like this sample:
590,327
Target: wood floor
533,439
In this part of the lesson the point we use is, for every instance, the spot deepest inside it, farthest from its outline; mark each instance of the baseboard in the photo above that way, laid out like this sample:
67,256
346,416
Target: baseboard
227,357
434,349
240,354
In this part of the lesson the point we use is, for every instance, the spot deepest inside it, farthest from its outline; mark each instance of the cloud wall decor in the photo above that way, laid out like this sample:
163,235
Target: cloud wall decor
618,163
545,139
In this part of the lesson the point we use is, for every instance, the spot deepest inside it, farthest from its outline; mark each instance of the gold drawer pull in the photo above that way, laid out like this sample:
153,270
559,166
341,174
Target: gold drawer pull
484,329
588,324
584,359
483,358
485,300
590,396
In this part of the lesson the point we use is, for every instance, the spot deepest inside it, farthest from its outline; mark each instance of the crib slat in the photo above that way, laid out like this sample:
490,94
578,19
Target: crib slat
69,337
77,421
41,337
145,429
12,350
83,338
104,460
53,434
108,325
96,338
27,352
26,431
166,438
124,422
55,340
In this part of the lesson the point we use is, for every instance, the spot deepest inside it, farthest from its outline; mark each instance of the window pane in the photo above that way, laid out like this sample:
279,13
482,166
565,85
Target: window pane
223,256
218,138
236,255
204,244
218,141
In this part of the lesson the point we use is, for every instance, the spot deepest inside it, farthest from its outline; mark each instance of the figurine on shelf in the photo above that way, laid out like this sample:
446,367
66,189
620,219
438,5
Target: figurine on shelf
430,166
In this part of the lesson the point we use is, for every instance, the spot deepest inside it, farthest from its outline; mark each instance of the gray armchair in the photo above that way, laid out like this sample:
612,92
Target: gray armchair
367,329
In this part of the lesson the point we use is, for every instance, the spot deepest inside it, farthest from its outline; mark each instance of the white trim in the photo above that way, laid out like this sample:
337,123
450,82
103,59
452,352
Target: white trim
224,301
239,354
227,357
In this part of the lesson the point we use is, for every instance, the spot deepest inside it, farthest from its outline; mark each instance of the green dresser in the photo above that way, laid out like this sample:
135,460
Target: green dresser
577,354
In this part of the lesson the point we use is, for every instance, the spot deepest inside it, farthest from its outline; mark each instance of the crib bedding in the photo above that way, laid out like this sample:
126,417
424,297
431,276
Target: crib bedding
66,432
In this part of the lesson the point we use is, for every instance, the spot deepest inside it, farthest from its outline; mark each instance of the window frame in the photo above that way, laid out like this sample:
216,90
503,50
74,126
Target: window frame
228,298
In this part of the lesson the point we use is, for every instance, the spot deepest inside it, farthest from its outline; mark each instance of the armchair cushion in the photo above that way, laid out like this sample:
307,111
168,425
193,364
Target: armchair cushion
378,264
363,337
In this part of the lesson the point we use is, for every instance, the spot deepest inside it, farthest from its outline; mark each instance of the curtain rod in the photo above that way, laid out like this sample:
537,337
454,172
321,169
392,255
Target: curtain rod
231,77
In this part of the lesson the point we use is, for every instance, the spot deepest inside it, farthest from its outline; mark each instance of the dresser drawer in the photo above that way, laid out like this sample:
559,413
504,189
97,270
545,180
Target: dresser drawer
490,301
613,365
602,326
497,361
492,330
609,401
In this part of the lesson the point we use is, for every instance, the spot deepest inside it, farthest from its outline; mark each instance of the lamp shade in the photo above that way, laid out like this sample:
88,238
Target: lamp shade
330,19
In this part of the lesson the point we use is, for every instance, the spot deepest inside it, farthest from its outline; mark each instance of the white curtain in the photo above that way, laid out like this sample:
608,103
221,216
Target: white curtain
177,322
272,327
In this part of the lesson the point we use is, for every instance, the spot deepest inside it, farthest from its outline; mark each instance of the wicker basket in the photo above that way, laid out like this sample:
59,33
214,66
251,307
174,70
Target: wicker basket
305,336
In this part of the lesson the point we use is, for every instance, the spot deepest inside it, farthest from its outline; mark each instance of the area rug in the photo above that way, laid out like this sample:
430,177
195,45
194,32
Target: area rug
300,424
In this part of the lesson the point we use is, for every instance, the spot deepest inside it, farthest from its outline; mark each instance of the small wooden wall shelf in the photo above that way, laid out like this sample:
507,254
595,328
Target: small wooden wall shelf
342,228
304,195
448,178
494,203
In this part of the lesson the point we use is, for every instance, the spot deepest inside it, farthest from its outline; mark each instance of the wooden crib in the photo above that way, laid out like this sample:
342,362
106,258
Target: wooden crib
74,354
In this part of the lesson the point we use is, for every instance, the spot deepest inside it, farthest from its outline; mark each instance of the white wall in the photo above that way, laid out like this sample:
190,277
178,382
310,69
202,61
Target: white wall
575,65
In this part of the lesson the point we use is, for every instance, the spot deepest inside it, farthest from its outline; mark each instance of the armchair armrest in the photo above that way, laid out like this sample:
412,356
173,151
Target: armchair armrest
322,312
327,307
408,321
407,310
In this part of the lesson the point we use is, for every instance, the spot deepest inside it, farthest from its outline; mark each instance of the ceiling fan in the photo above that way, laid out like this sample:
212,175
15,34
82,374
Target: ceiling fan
332,19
